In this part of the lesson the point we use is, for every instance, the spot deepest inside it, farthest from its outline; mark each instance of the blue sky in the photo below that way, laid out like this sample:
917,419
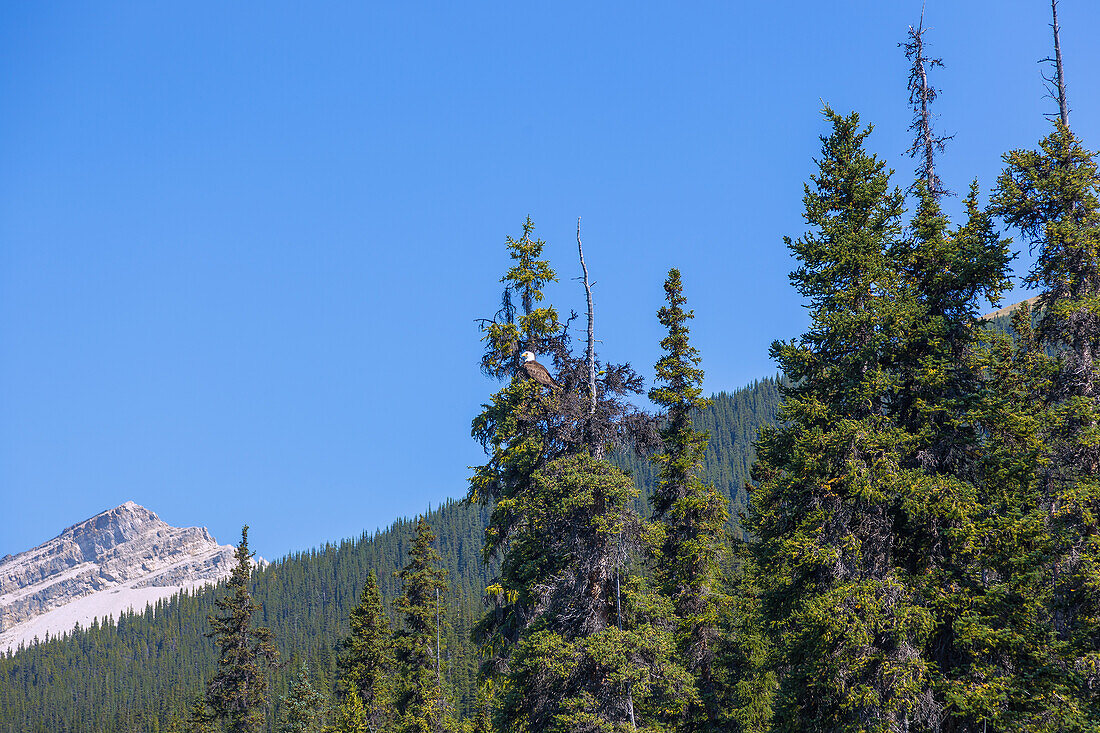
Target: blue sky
243,245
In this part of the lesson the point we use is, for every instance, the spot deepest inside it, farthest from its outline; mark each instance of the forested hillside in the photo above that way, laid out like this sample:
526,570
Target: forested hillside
139,674
731,421
143,673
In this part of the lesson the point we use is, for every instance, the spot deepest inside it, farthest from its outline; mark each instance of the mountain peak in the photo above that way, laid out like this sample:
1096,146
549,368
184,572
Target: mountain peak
121,558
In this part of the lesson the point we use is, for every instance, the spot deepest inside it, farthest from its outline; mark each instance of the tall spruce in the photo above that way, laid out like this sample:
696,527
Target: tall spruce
366,661
569,633
514,427
942,523
237,693
424,704
690,515
968,415
844,626
1052,196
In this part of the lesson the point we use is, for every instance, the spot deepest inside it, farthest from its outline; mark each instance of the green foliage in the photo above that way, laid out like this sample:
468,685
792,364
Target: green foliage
689,515
366,662
423,703
303,706
508,428
1052,195
844,628
237,693
940,402
744,675
199,719
578,665
896,576
352,716
1001,673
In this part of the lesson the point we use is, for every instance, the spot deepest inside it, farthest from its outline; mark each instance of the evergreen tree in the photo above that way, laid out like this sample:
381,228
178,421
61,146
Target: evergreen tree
747,679
423,704
199,719
521,428
1052,195
941,521
366,660
237,693
303,706
352,716
481,720
1000,658
564,527
595,655
690,515
845,629
508,428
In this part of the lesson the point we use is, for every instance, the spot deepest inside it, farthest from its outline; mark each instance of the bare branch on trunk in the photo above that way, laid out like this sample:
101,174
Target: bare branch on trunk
921,95
590,355
1059,80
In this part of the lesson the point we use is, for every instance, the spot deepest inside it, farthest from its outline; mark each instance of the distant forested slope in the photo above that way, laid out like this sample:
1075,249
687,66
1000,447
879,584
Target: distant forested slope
137,675
140,674
732,421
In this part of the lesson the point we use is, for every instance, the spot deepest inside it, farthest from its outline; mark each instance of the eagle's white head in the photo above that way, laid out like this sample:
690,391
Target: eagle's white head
528,356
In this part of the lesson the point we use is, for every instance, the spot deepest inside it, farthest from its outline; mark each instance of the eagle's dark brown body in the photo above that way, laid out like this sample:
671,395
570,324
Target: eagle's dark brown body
539,373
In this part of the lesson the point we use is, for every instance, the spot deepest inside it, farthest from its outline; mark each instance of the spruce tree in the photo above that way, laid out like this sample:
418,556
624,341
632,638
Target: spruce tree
423,703
523,428
1052,196
509,427
1000,662
199,719
303,706
564,528
515,428
352,716
744,667
596,653
237,693
844,627
690,516
366,661
941,522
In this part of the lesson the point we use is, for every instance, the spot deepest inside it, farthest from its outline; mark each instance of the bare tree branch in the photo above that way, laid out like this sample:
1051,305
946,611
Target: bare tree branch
1056,87
921,95
590,355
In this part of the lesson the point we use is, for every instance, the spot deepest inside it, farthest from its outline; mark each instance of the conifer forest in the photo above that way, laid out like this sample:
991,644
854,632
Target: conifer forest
898,531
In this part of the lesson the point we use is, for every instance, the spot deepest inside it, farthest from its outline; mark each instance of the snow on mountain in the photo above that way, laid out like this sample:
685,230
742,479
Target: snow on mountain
120,559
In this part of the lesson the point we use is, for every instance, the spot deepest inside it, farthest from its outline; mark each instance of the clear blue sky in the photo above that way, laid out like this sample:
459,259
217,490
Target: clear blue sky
243,245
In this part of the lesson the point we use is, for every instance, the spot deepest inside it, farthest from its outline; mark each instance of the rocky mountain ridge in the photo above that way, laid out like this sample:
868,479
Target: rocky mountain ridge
119,559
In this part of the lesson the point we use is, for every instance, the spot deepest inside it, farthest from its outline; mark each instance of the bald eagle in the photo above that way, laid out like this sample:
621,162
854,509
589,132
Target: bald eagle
537,371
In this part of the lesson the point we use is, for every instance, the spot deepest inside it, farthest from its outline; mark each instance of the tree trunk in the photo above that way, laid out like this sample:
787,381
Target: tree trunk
1059,76
590,354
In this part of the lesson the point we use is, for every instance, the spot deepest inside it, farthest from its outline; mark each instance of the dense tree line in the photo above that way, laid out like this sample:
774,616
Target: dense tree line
144,672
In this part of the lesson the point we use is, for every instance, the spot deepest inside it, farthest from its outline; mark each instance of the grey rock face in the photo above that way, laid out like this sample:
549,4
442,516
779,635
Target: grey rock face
128,546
